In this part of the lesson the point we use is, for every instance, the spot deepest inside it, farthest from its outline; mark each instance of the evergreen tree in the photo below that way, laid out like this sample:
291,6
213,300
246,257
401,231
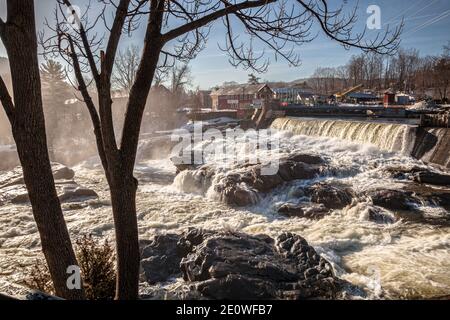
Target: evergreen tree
252,79
55,91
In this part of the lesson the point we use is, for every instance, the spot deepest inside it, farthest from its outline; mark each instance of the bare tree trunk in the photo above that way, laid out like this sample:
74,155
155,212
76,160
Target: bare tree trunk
123,187
28,126
123,199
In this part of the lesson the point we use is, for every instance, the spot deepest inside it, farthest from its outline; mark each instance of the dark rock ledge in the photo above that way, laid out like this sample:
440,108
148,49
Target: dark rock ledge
233,265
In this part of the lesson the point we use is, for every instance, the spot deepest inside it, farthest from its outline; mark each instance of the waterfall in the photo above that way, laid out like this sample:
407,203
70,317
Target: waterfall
386,136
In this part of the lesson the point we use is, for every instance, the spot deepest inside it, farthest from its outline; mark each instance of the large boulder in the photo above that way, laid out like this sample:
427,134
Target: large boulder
309,211
420,175
394,199
331,196
233,265
161,256
433,178
306,158
239,266
430,195
244,185
61,172
402,172
75,193
378,215
13,189
160,259
15,175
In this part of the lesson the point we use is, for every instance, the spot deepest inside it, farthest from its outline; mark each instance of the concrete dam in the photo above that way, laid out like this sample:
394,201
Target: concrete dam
431,145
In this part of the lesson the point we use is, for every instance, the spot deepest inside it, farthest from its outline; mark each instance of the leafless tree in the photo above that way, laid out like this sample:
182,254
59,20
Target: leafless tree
125,68
161,76
25,114
181,78
178,30
441,76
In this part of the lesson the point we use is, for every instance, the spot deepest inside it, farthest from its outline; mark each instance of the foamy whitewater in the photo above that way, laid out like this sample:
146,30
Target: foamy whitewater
400,260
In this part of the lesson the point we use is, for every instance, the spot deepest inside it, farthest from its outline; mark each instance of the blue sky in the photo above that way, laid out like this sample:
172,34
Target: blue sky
427,25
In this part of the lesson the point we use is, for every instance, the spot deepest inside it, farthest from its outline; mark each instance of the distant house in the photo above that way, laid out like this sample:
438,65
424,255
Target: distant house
293,94
404,99
362,97
240,96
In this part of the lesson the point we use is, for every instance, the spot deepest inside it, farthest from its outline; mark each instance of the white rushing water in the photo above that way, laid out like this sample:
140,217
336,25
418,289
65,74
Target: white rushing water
386,136
399,260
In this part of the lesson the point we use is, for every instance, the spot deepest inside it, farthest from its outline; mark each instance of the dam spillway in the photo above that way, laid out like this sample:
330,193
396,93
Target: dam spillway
431,145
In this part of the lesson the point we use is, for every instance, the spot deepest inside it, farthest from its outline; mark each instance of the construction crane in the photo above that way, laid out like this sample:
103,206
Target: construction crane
340,95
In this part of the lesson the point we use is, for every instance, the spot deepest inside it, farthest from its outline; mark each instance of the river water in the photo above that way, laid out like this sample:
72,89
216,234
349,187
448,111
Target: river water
399,260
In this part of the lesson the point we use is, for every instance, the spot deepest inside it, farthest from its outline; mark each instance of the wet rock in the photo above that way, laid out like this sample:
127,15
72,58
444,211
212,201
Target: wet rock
12,186
76,193
239,266
239,195
420,175
378,216
233,191
290,170
310,211
291,210
402,172
232,265
442,198
434,178
306,158
20,198
394,199
15,176
31,295
255,178
40,296
333,197
61,172
160,259
244,187
430,195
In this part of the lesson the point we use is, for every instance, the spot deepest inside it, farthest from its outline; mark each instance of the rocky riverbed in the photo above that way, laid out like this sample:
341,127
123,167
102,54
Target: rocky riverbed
337,220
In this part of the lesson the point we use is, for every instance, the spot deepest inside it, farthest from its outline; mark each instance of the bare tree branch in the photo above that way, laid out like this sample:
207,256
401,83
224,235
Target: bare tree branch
144,77
114,38
170,35
340,30
89,104
86,45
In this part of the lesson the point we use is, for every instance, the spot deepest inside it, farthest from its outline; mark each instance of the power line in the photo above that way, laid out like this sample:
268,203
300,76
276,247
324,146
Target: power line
428,23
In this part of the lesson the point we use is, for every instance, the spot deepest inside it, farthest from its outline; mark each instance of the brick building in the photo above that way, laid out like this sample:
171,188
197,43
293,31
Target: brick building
240,96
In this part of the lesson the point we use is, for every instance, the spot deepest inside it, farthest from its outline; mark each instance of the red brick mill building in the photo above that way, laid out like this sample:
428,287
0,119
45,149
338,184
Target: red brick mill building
237,97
